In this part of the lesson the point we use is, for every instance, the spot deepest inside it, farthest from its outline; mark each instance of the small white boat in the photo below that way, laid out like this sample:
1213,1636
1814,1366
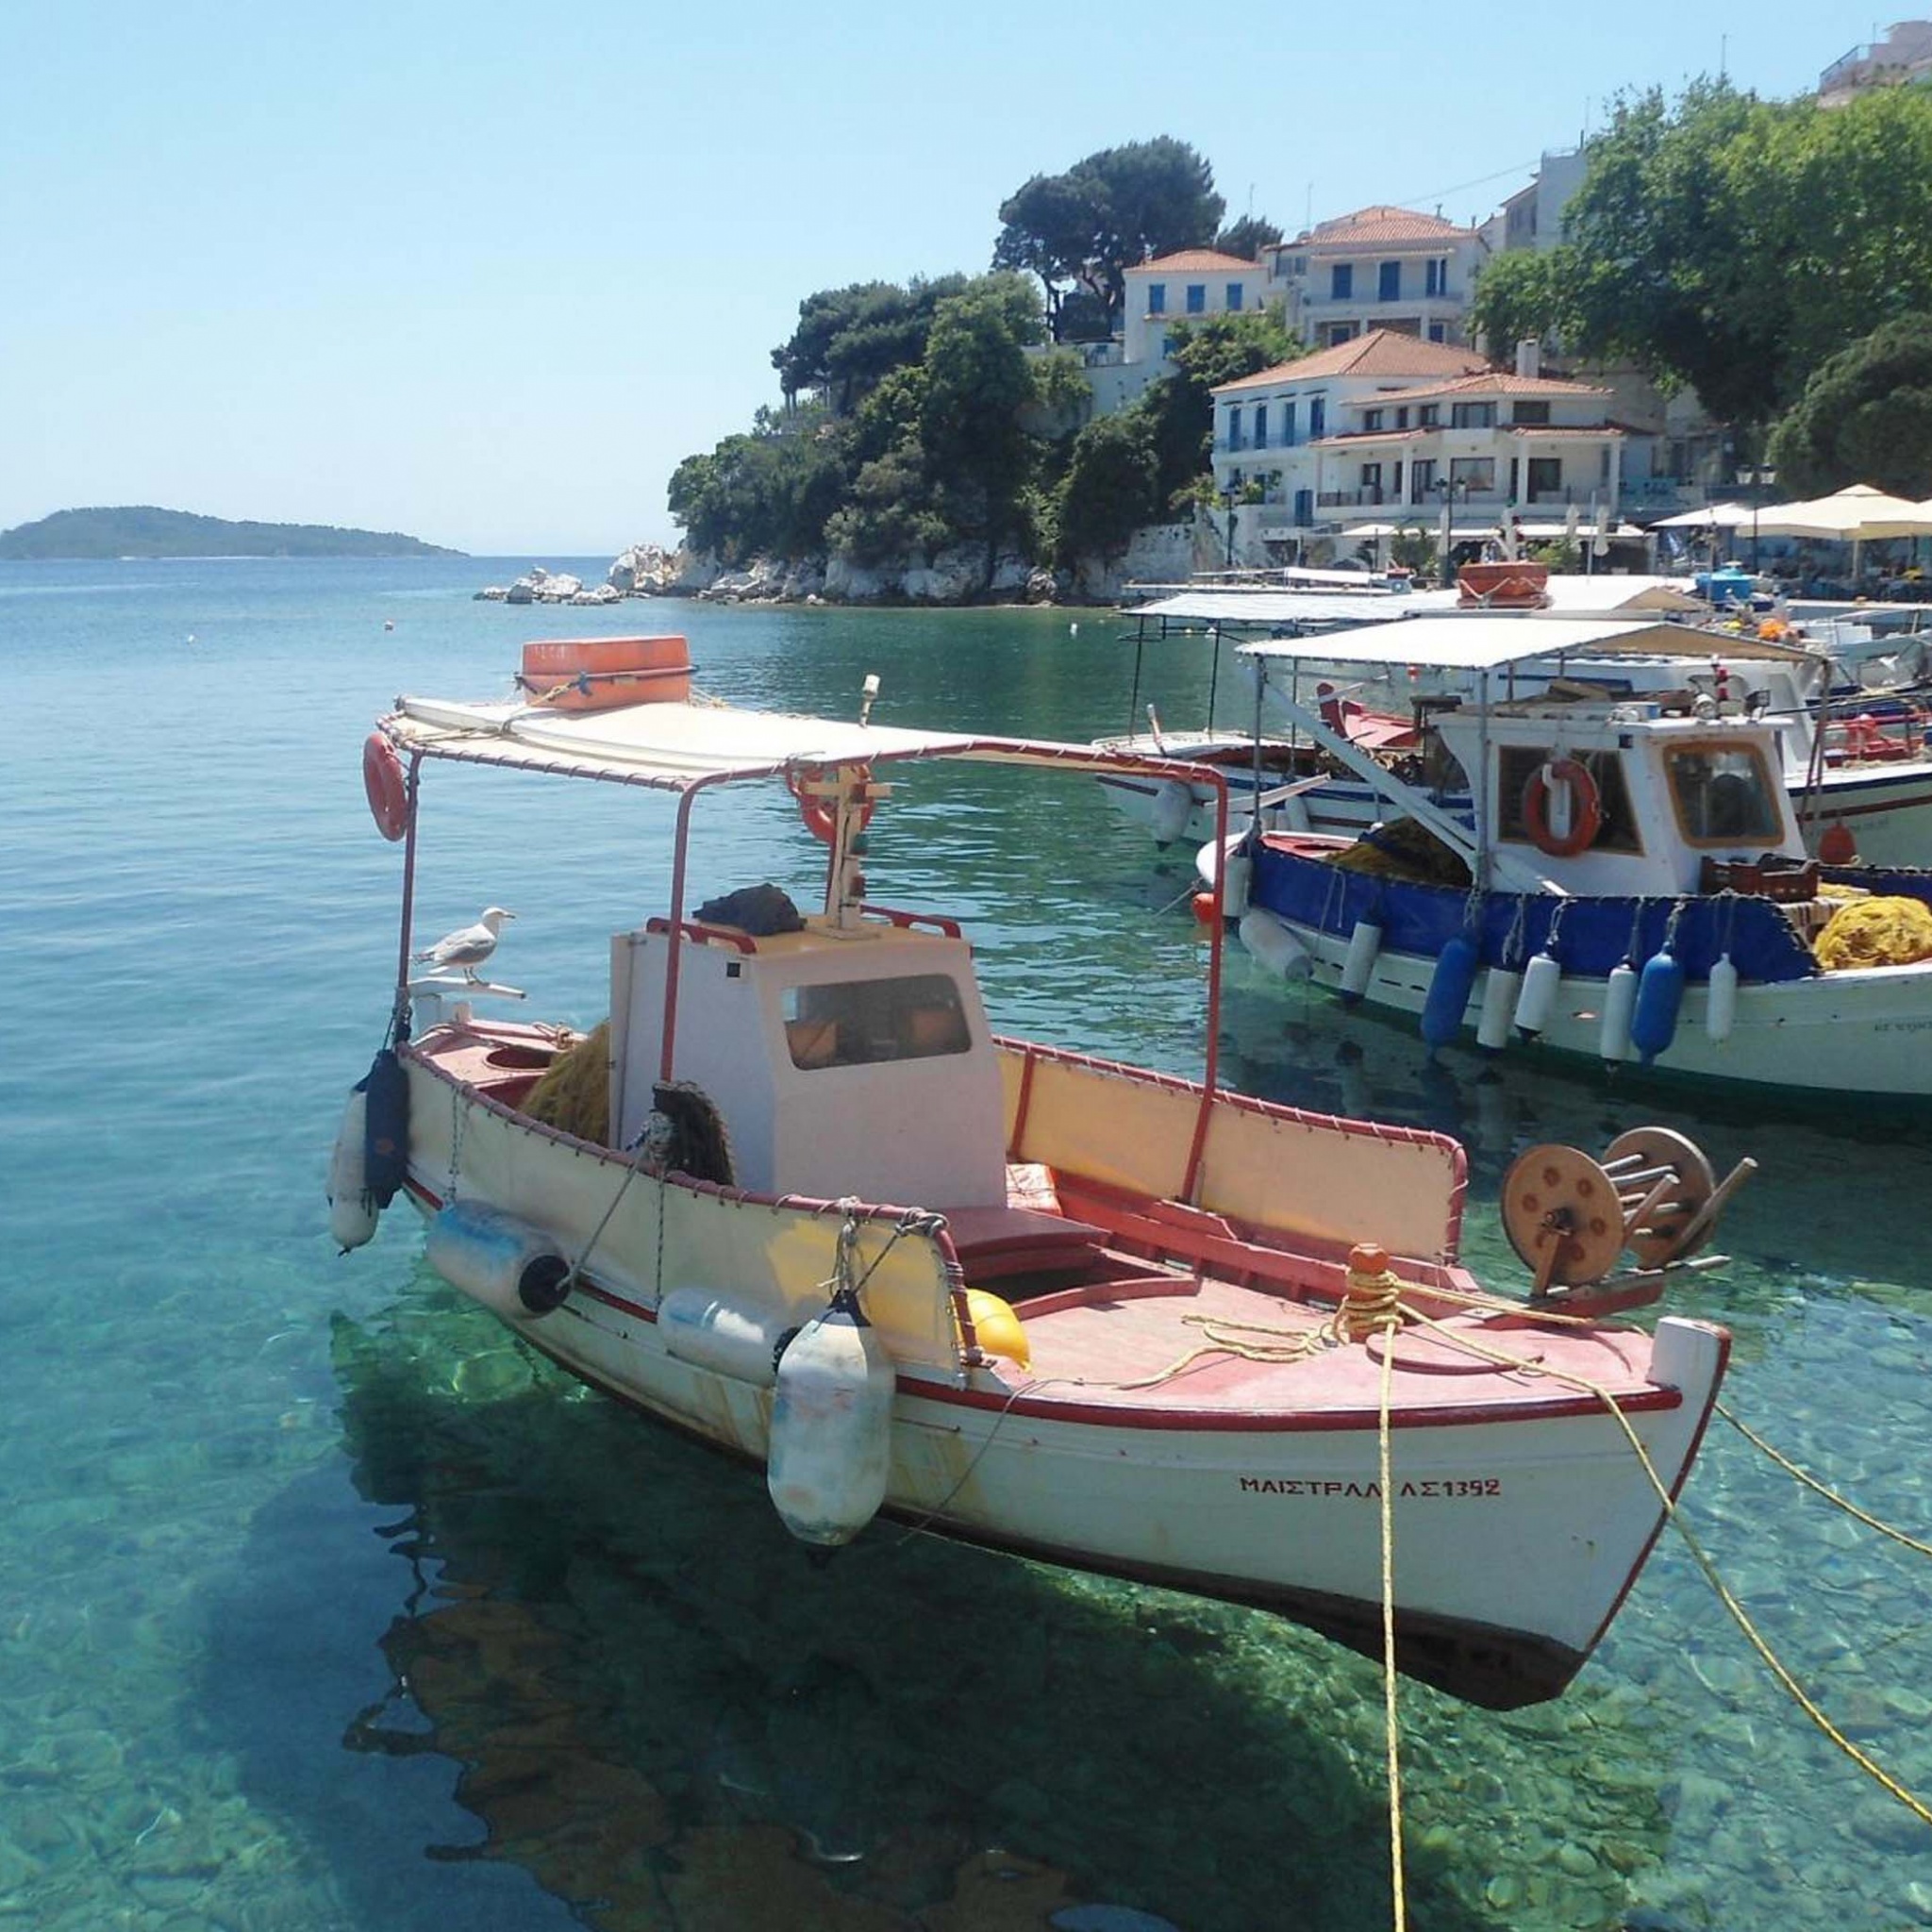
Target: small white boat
818,1213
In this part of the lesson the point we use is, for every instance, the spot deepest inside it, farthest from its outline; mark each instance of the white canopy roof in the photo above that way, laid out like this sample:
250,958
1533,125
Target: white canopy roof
1489,640
1722,516
1281,607
1857,514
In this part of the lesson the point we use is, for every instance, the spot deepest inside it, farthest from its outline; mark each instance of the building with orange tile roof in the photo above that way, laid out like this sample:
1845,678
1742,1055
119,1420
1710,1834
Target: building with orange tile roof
1381,267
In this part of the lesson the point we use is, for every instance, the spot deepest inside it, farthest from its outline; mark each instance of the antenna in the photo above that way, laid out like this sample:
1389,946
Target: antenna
1723,53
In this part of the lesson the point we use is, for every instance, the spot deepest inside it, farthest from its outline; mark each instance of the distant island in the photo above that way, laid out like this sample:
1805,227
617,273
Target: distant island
140,530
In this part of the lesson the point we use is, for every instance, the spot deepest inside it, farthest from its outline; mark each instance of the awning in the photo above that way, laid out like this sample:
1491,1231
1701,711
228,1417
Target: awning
1485,641
1280,606
675,747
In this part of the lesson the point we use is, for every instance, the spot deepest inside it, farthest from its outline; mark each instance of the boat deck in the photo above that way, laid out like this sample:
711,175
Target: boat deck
1155,1343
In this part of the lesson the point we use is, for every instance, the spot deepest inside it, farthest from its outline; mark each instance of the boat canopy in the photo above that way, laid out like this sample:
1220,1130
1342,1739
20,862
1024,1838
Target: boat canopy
1487,642
676,747
1280,606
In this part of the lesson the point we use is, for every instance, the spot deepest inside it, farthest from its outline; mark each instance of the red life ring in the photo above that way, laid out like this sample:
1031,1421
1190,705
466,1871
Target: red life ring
820,815
1586,808
389,793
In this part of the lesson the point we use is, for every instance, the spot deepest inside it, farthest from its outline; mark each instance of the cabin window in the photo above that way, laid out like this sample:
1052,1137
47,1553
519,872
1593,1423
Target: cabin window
862,1022
1517,764
1722,795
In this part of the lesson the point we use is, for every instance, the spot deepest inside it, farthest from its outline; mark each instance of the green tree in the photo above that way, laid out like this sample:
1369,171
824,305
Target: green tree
1731,244
1111,487
1085,228
850,339
1206,354
1247,237
1864,417
768,494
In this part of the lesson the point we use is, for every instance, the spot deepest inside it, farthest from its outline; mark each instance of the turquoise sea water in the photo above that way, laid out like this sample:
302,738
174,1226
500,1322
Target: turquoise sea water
324,1606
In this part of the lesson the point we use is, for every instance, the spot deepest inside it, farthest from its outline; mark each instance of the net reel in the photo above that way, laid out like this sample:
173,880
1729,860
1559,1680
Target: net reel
1571,1218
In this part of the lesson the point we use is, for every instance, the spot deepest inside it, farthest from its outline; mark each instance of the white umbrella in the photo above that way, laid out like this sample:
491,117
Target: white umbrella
1856,515
1721,516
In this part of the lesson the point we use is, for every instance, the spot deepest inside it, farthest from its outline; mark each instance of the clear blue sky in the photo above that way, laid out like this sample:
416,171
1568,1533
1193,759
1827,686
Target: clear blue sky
485,273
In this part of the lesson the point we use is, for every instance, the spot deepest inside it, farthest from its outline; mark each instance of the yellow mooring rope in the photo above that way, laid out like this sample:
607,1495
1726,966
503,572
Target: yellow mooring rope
1866,1763
1830,1495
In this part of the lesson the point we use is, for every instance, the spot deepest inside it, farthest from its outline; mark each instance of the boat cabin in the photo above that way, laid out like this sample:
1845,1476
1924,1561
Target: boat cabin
840,1057
1626,800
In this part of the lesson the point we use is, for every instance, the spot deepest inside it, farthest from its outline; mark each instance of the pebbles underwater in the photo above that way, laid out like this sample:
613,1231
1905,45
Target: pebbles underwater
322,1605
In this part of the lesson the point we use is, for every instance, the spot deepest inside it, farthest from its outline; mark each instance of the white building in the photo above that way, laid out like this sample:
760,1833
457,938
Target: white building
1393,430
1903,58
1379,268
1533,216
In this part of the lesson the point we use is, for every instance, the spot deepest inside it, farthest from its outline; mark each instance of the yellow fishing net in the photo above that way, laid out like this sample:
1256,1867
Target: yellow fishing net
574,1092
1876,932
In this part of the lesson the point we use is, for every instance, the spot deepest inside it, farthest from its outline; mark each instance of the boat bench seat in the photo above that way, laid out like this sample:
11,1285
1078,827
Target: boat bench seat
993,1242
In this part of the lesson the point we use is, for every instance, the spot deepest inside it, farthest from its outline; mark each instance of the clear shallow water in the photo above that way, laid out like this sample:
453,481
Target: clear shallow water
321,1605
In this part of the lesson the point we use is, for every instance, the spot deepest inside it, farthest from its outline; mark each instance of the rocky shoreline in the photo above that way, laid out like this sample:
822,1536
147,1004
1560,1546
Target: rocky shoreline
966,574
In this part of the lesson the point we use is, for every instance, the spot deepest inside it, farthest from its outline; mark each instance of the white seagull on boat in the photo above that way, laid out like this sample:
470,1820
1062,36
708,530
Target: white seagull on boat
466,949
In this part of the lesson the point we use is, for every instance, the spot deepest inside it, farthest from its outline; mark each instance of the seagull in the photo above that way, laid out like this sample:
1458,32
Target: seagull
467,947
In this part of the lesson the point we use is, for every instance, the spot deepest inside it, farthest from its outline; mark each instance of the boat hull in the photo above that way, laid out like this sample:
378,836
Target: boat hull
1519,1524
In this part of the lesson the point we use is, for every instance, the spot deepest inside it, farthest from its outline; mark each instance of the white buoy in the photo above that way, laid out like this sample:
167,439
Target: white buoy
1498,1009
1235,885
352,1211
1364,946
1619,1001
1535,1003
1270,940
1173,806
832,1426
1720,1006
506,1263
697,1325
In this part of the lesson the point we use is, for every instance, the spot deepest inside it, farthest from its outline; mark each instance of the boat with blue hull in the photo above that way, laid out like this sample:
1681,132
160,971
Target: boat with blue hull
1630,886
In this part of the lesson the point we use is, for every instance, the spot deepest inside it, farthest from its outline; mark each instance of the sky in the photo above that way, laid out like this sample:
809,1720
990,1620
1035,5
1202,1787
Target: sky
486,273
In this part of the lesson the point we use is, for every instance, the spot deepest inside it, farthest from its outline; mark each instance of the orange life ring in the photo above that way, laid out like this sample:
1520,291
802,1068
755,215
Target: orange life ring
820,815
389,791
1587,813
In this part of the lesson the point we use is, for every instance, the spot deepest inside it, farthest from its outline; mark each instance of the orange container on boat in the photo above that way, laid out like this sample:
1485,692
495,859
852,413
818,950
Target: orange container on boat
1504,586
598,674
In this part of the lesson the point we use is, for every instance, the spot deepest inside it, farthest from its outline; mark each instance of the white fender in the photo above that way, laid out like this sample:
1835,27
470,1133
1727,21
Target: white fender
352,1212
699,1326
1620,1003
1364,945
831,1427
1271,942
1499,1008
1234,888
1720,1008
1537,1002
1173,806
511,1266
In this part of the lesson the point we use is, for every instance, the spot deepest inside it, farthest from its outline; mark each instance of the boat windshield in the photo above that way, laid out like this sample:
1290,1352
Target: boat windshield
1722,794
863,1022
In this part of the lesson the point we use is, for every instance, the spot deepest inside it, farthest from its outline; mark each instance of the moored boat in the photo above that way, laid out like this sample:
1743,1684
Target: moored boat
1630,886
800,1200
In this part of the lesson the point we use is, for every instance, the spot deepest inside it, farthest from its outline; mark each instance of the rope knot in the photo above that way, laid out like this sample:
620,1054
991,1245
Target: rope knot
1372,1302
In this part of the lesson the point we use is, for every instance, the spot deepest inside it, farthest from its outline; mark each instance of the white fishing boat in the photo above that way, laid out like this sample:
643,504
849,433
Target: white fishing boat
814,1210
1631,885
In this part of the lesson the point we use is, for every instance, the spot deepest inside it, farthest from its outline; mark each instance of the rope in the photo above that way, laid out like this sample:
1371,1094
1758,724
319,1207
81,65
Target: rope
1830,1495
1390,1724
1740,1616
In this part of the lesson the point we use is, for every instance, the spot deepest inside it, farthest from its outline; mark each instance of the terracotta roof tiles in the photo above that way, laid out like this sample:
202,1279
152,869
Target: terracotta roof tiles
1370,226
1380,352
1201,259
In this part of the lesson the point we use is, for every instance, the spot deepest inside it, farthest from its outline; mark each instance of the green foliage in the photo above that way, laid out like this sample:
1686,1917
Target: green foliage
1414,549
1085,228
1865,417
1732,243
768,494
141,530
849,340
1111,486
1219,349
1564,555
1247,237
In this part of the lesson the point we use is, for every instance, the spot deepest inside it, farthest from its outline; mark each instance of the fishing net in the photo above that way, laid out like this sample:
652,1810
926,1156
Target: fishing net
574,1092
1875,932
1404,849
